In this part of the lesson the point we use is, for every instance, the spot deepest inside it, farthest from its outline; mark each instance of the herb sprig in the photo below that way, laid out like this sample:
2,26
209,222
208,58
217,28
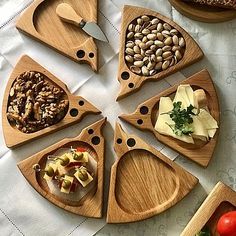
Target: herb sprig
182,118
204,232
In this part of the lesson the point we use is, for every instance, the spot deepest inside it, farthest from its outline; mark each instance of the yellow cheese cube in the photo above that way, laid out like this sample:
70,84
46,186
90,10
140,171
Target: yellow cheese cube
85,157
55,168
67,190
86,182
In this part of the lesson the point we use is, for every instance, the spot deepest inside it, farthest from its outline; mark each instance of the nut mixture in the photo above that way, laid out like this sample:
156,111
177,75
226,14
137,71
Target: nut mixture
34,103
152,46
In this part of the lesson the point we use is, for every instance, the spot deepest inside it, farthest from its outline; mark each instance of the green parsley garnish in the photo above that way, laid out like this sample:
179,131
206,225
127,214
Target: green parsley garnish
182,118
204,232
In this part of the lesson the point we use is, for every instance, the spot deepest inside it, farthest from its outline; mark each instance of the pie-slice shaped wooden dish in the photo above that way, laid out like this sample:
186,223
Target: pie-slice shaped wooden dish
131,82
40,22
202,12
145,117
78,107
222,199
143,181
92,140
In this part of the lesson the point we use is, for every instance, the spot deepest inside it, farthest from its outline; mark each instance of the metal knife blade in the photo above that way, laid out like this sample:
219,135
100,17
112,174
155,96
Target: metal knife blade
94,30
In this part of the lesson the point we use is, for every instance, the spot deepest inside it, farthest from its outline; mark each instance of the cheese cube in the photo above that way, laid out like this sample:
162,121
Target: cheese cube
55,168
84,159
86,182
67,190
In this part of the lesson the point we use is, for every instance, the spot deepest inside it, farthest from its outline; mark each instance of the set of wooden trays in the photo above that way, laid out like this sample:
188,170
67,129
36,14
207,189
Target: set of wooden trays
143,181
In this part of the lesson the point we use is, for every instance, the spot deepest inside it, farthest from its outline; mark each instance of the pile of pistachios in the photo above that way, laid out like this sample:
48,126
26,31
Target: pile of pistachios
152,45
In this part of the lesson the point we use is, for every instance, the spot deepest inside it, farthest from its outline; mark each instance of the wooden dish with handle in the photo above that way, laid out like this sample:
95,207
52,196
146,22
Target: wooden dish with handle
78,106
143,181
92,140
145,116
131,82
41,22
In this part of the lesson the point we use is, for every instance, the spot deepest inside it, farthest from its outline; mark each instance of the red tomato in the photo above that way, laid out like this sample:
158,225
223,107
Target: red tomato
79,149
226,225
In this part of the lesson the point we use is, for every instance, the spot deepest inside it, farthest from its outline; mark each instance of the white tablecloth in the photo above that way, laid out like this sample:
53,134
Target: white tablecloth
23,211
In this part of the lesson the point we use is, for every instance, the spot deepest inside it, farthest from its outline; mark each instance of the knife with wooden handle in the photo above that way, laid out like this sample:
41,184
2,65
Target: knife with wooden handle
67,13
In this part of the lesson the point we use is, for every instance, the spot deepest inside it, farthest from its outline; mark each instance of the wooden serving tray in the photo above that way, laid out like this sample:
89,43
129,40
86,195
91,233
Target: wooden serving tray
91,204
40,22
222,199
143,181
78,106
130,82
203,13
145,116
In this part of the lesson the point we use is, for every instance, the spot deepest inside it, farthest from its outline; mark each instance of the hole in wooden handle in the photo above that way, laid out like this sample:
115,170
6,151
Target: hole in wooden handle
95,140
80,54
119,140
90,131
140,121
131,85
74,112
91,55
81,102
125,75
143,110
131,142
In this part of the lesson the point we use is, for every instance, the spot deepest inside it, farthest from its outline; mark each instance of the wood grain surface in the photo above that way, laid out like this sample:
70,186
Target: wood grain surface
203,13
143,181
192,54
41,22
145,116
13,137
91,204
221,200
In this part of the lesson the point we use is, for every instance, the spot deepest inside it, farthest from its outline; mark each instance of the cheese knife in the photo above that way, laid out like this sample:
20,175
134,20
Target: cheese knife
67,13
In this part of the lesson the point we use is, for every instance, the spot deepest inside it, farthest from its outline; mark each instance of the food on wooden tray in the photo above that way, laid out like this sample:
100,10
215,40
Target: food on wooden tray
152,45
226,225
35,103
68,171
216,3
187,117
204,232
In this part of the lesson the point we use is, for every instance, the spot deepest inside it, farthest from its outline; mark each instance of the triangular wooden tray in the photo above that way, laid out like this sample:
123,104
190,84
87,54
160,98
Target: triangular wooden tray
144,118
221,200
91,204
14,137
129,85
40,22
143,181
